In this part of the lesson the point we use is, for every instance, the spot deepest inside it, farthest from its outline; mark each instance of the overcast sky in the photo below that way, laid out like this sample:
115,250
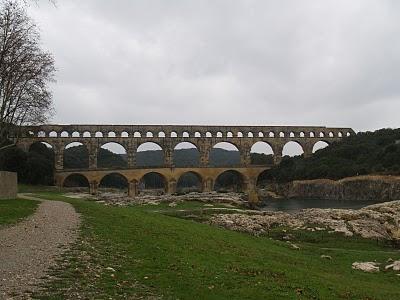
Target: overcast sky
331,63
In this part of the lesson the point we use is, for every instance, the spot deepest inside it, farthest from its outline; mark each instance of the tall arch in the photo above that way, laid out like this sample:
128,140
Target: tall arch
40,160
261,153
292,148
229,181
319,145
76,156
186,154
224,154
149,154
112,155
189,182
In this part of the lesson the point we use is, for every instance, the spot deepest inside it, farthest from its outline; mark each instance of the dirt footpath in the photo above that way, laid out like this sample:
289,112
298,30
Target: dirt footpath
31,247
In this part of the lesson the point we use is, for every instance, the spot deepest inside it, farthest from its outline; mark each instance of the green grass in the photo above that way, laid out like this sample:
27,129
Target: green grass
11,211
155,254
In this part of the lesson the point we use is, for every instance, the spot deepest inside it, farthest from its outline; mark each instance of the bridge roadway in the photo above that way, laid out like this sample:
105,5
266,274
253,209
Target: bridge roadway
206,175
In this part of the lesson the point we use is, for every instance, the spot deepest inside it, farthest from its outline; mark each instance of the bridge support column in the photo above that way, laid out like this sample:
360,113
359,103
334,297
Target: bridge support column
59,159
92,156
308,149
171,186
131,157
93,187
245,159
208,185
133,188
251,190
204,155
168,159
277,159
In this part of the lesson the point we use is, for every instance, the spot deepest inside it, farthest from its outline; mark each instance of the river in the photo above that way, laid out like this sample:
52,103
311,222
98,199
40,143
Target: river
291,205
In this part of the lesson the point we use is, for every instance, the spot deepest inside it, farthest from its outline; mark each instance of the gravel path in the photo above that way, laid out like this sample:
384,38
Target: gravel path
31,247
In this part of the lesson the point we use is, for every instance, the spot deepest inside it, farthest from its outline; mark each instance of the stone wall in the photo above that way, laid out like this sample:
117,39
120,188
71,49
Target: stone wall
377,188
8,185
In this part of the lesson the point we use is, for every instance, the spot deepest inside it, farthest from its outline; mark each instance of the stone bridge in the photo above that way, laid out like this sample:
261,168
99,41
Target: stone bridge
168,137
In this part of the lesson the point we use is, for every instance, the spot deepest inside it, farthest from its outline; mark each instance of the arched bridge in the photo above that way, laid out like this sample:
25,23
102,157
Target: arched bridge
168,137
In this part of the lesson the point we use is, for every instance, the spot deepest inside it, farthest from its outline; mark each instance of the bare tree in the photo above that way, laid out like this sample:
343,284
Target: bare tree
25,71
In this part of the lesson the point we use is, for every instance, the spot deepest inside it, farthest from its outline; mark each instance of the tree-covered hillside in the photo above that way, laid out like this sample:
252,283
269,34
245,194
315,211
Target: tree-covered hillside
365,153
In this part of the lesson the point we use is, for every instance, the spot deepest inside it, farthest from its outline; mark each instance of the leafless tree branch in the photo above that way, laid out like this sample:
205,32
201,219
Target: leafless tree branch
25,71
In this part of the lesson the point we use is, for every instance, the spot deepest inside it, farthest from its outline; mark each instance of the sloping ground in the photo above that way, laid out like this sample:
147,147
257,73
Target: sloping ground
30,248
130,253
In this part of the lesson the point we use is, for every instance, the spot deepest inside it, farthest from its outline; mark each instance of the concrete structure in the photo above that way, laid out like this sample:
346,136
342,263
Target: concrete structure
8,185
168,137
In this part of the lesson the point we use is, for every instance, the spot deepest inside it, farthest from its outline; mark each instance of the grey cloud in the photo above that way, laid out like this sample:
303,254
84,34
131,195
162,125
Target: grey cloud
333,63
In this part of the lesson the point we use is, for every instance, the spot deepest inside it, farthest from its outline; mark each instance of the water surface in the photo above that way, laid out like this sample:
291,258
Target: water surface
291,205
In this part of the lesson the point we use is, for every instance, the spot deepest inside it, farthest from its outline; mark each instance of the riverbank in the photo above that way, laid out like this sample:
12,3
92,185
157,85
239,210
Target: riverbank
369,187
378,221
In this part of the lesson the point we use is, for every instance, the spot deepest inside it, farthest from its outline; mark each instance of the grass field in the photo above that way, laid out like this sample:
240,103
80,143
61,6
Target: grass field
11,211
155,255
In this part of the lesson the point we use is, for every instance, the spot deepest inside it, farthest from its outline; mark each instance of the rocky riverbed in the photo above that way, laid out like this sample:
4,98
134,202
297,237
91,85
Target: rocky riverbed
121,199
378,221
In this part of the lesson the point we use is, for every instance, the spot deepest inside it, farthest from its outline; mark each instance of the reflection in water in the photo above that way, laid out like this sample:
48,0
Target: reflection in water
298,204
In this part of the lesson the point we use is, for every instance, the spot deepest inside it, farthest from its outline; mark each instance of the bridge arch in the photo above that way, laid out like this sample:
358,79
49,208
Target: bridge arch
150,154
153,181
76,156
190,181
261,179
319,145
33,144
224,154
113,180
64,134
292,148
230,181
76,180
53,134
112,155
261,153
186,154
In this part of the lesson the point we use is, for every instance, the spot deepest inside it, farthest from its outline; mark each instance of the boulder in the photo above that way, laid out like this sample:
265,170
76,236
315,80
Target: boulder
369,266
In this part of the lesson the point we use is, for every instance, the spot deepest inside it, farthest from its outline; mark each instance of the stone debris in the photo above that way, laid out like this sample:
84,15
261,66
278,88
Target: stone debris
326,257
395,266
110,269
369,266
378,221
122,199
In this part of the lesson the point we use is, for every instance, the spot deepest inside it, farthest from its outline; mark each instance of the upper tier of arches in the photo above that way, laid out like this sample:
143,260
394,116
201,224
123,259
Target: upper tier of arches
170,131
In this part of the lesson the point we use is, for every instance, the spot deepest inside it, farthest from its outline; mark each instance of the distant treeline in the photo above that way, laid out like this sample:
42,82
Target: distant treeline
37,165
364,153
